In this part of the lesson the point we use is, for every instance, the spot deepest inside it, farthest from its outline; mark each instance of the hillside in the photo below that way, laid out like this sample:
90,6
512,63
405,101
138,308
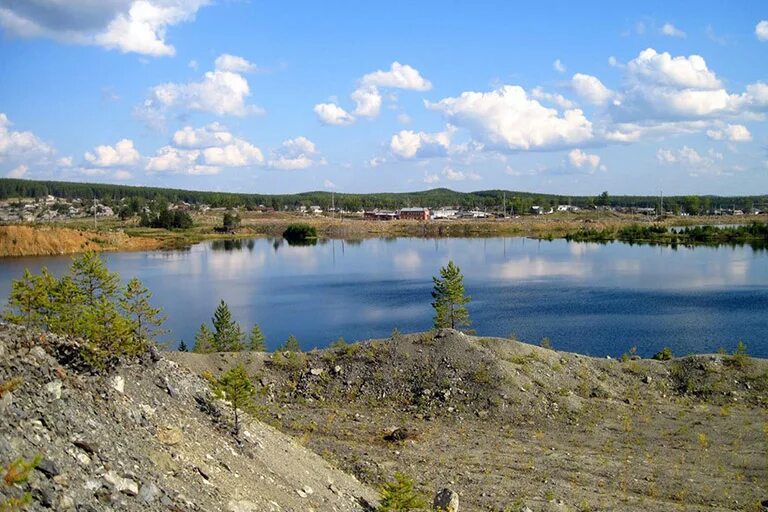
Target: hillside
509,425
146,437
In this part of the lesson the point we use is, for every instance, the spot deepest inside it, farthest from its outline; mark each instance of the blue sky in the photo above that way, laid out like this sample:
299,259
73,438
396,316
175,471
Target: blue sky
560,97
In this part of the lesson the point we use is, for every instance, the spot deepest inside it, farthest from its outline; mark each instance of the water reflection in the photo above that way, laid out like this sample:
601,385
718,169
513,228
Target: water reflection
586,297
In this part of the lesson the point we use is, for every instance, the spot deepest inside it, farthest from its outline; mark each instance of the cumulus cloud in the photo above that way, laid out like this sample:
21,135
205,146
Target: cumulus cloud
558,66
135,26
731,132
329,184
367,96
430,177
18,172
579,159
122,175
18,145
553,98
688,157
332,114
454,175
233,63
761,30
206,150
670,30
121,154
410,144
399,76
294,154
591,89
507,118
220,92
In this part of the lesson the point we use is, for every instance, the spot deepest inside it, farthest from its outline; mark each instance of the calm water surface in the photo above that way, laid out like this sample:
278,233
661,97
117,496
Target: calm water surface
587,298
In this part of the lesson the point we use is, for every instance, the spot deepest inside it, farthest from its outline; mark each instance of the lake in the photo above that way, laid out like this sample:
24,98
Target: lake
587,298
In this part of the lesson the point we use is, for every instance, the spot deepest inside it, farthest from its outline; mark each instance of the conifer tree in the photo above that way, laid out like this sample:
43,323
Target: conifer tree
203,340
30,298
92,277
183,347
235,387
291,345
450,301
146,320
227,334
256,341
400,496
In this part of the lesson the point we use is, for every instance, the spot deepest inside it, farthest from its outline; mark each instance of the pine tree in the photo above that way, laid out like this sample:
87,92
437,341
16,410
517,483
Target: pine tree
92,277
290,345
146,319
256,341
203,340
399,496
183,347
30,300
227,335
235,387
449,304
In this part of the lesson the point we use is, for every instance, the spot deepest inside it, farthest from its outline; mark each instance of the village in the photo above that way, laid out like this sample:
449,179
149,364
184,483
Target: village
54,209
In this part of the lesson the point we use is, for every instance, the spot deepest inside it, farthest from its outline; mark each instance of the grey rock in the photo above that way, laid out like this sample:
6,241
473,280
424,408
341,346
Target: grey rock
48,468
53,389
118,383
316,371
446,501
149,492
242,506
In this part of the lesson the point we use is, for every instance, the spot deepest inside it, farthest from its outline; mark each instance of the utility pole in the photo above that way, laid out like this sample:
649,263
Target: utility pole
94,213
504,205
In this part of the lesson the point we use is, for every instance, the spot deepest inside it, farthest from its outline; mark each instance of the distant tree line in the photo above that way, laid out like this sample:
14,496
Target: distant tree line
130,200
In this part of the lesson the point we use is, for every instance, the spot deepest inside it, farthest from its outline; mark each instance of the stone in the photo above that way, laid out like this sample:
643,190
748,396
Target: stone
337,369
118,383
316,371
446,501
169,435
149,492
120,484
53,389
48,468
242,506
38,353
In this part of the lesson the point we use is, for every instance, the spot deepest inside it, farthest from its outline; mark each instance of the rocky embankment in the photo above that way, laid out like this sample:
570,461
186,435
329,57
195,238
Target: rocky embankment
511,427
146,436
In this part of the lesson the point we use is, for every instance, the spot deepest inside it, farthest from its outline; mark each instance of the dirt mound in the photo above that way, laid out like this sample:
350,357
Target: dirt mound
149,436
509,425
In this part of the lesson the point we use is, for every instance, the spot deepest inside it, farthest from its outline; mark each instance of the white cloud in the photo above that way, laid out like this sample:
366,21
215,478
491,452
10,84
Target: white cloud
367,96
122,175
680,72
233,63
18,172
206,150
761,30
65,161
558,66
430,178
294,154
213,134
404,118
137,26
454,175
556,99
16,145
689,157
410,144
731,132
580,159
219,92
591,89
399,76
507,118
670,30
332,114
367,101
193,64
121,154
329,184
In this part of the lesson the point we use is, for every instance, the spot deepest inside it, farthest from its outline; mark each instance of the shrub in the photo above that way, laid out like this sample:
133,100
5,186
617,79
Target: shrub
664,354
399,495
300,233
740,357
